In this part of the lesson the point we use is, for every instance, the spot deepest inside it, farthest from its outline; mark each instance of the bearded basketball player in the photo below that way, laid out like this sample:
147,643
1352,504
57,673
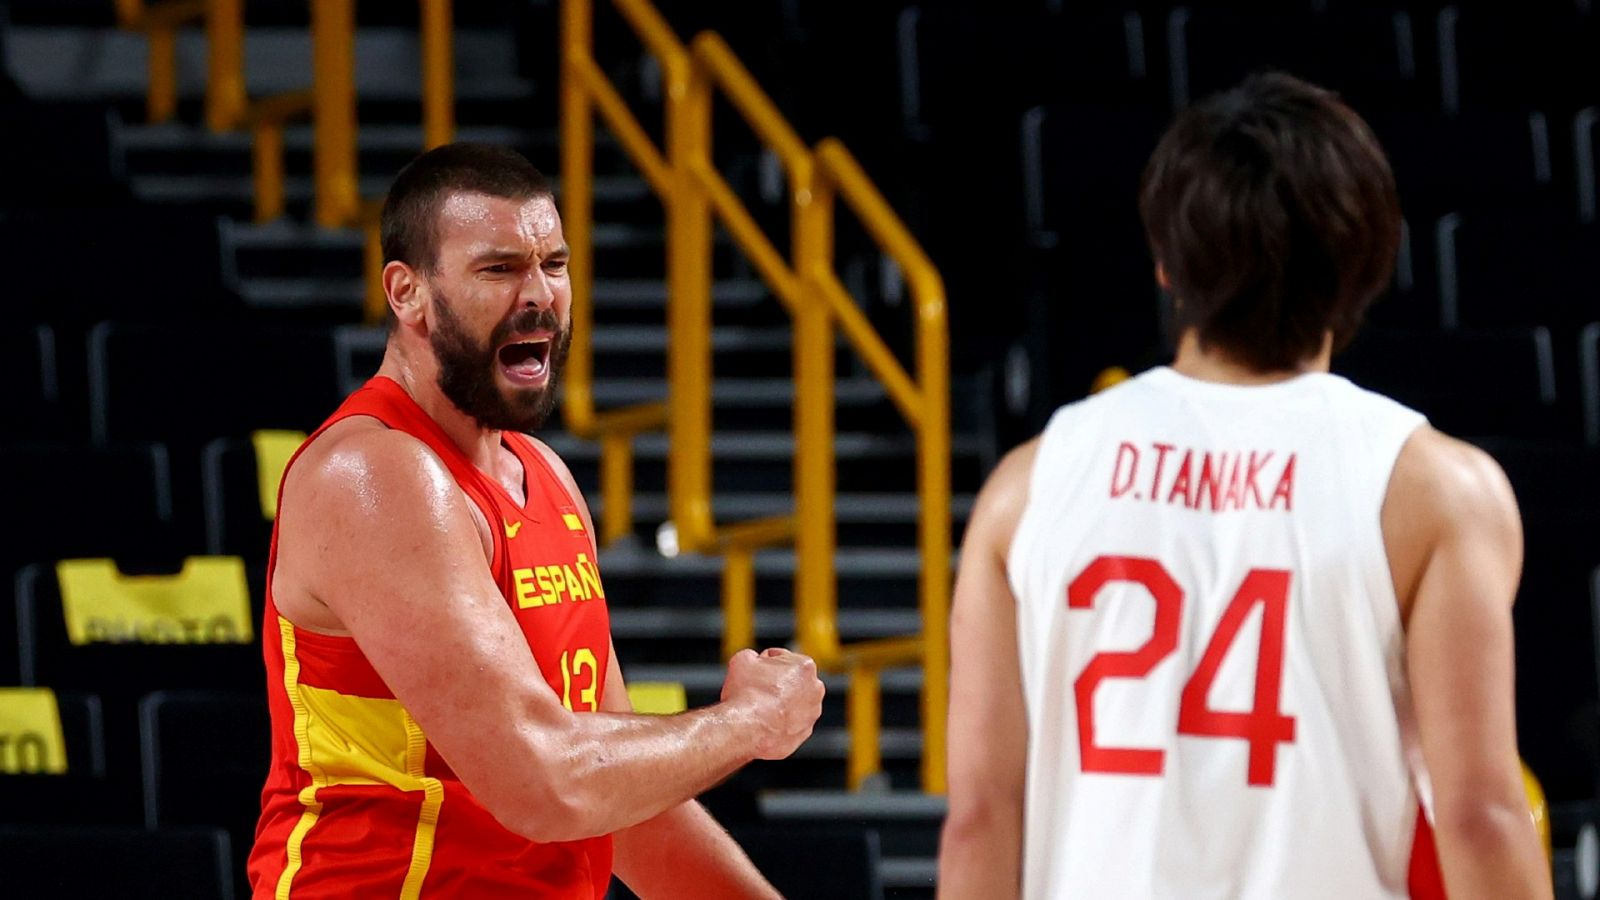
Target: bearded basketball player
448,715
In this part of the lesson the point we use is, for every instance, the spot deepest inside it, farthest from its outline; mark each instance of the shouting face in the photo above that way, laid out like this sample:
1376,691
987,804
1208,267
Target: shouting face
502,308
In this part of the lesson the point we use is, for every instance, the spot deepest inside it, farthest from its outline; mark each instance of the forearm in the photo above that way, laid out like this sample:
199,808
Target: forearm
616,771
684,853
980,857
1491,851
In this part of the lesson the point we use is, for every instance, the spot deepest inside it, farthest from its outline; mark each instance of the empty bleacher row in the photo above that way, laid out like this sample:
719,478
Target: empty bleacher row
163,354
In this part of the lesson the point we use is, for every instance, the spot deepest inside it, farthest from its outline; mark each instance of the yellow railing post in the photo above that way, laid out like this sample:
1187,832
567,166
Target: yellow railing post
864,713
577,212
815,587
689,365
438,81
693,191
225,91
334,112
266,151
616,485
162,101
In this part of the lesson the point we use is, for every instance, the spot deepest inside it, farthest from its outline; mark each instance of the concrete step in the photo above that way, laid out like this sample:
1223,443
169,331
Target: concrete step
901,563
625,294
882,807
689,623
854,509
82,63
901,873
198,188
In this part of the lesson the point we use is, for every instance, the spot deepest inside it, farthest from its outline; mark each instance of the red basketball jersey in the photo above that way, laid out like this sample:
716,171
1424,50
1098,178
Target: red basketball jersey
357,801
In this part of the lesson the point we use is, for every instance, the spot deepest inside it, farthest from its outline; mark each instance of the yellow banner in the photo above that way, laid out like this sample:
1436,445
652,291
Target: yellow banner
208,602
30,733
659,698
273,451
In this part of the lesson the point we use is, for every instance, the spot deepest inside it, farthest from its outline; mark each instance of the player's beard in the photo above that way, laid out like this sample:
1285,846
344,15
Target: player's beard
467,369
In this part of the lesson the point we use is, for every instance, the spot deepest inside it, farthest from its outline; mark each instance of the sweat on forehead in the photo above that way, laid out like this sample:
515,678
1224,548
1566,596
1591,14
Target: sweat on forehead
476,219
414,210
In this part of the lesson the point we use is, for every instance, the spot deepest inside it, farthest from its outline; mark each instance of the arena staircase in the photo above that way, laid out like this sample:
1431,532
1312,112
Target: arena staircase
667,619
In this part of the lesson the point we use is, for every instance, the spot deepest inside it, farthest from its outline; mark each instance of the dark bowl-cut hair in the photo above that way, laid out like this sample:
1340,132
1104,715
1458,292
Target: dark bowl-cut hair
409,224
1273,212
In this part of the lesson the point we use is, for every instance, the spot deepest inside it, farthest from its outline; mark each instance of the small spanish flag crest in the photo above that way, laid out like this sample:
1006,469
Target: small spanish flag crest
573,522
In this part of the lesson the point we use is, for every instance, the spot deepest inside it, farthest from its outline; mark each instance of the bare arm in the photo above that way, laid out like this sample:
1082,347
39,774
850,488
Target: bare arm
980,850
1455,541
383,539
682,852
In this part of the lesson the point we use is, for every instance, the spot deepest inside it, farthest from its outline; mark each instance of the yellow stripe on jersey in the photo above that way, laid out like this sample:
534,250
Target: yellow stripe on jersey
573,522
350,740
308,797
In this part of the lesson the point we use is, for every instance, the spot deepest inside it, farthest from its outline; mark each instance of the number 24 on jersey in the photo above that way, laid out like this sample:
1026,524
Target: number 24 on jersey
1263,727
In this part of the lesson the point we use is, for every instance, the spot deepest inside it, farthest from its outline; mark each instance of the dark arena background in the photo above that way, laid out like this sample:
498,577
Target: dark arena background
187,202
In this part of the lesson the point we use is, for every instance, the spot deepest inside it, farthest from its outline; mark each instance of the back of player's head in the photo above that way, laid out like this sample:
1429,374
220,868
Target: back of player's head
1273,212
409,224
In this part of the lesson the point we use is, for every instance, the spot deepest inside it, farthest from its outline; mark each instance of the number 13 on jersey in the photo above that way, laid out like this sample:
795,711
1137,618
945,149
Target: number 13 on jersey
1263,727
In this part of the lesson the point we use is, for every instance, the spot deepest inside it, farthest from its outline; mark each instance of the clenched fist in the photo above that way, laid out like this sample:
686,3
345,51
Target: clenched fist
782,694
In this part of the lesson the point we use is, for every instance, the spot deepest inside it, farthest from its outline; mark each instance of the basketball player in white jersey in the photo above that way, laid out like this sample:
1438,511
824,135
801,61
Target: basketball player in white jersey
1226,629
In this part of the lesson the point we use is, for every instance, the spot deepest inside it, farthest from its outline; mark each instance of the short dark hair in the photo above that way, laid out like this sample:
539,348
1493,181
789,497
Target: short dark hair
1273,211
409,224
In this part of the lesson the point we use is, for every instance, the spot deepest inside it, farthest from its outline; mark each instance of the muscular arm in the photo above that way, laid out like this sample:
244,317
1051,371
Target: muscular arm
980,850
1455,541
383,539
682,852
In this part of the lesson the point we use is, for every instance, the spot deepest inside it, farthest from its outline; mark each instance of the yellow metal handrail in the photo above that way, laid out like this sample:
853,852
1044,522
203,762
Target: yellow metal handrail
331,102
694,193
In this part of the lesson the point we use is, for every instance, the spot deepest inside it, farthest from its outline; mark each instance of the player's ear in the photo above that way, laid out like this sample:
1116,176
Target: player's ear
402,287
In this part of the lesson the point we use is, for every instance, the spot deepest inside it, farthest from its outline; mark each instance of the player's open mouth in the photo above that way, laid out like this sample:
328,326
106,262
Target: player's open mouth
526,362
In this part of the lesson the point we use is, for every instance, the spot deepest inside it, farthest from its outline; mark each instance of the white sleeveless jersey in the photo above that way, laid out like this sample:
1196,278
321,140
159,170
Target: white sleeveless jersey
1210,645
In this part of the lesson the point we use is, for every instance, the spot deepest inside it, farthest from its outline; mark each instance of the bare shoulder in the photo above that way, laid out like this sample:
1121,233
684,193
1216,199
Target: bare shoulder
1451,481
359,491
359,463
1445,492
1003,498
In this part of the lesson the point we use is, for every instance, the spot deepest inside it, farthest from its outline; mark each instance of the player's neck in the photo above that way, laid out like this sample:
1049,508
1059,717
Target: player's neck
418,374
1215,364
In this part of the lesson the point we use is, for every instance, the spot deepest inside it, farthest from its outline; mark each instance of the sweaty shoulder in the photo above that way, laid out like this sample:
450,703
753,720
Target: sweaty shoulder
1444,489
360,488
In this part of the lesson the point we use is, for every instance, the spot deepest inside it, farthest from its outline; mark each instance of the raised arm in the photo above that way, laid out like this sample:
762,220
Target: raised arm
682,852
381,540
1455,543
980,850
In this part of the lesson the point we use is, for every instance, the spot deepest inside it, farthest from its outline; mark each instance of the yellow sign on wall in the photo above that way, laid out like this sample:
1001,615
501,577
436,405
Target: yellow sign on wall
208,602
273,451
31,742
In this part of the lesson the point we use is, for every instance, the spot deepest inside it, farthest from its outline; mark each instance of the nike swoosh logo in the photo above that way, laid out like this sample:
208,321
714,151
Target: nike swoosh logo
512,529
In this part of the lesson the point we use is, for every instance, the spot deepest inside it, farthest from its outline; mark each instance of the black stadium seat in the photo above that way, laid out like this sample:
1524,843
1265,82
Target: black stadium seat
138,263
85,501
82,794
31,405
1467,382
1518,56
1212,49
1518,269
72,156
205,756
199,382
132,862
1093,301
